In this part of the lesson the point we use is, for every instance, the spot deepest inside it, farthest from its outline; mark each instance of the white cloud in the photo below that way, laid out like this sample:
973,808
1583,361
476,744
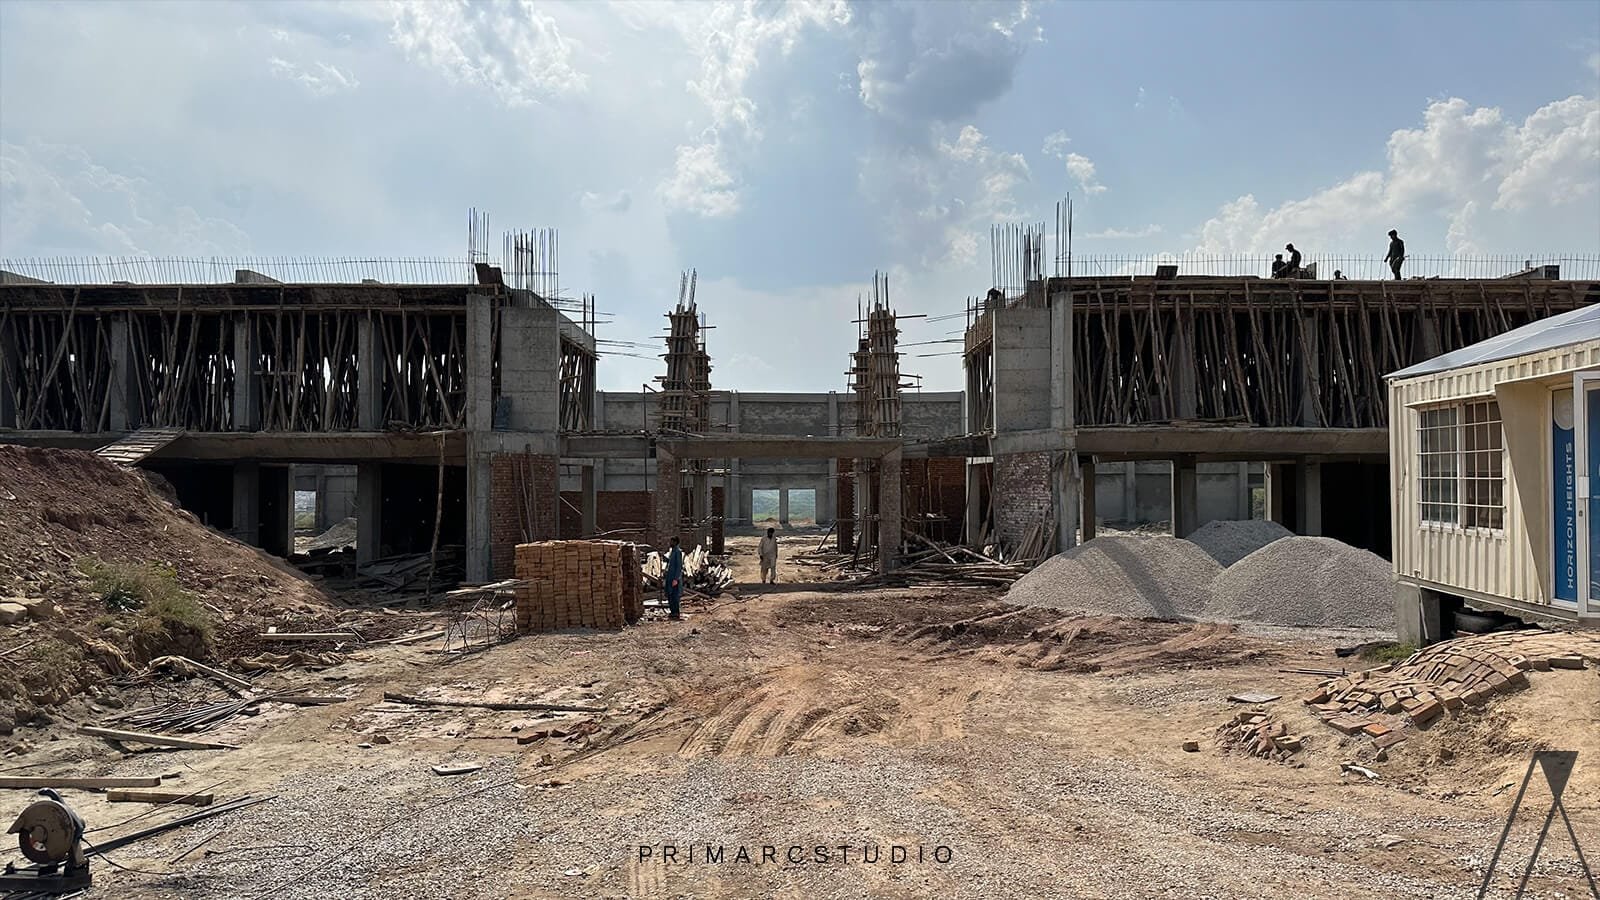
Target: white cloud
700,182
938,204
1055,143
938,62
1461,161
58,197
1082,171
1119,234
321,79
615,203
1593,62
512,48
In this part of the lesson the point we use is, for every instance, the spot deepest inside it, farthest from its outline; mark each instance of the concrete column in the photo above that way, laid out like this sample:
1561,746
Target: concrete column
1067,485
1086,469
783,506
590,503
738,503
666,518
974,511
480,363
369,376
369,516
889,484
1419,614
1130,492
480,534
120,410
247,503
1310,374
1308,497
8,401
1279,481
246,381
1180,356
320,518
865,516
1243,486
598,419
833,466
1185,496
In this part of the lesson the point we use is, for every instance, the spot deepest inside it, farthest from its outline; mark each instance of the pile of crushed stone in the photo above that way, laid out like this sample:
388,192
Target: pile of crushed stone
1227,541
1283,580
1138,576
1311,581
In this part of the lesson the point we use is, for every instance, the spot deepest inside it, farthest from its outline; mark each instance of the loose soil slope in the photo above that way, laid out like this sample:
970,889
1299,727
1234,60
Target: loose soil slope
64,513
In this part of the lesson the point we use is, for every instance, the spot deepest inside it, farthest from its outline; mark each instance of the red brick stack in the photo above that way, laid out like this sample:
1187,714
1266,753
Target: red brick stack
577,584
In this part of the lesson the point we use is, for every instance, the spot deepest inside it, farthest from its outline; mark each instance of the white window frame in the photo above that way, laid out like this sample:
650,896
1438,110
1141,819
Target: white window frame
1461,477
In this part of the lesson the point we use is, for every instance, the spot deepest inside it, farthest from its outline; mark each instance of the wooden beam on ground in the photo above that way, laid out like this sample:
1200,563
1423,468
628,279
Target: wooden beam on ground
158,740
547,707
125,795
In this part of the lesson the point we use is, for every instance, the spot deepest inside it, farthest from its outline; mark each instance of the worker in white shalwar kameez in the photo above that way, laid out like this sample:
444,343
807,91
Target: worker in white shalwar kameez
769,557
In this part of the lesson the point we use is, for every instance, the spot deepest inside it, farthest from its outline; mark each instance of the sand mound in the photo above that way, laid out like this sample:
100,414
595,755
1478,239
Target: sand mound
67,514
1227,542
1123,575
1306,581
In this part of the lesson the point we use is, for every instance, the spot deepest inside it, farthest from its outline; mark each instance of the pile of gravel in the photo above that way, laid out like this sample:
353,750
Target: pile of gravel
1306,581
1230,541
1130,575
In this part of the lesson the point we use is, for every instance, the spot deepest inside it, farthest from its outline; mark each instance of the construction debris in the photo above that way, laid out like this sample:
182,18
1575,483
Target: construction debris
701,571
496,705
1441,678
455,770
1253,731
158,740
130,795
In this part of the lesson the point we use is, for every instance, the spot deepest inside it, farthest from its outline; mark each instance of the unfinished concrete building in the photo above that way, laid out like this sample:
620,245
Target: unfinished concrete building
1072,375
447,401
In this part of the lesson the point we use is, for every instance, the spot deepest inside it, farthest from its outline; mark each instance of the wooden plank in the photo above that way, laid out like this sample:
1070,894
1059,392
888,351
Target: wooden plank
159,740
317,636
125,795
34,782
549,707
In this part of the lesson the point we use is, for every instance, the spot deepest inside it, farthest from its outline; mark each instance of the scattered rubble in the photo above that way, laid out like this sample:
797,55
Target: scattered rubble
1255,732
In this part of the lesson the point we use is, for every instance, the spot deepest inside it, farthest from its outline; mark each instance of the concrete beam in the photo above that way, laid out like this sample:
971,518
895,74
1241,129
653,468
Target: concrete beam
776,447
1231,443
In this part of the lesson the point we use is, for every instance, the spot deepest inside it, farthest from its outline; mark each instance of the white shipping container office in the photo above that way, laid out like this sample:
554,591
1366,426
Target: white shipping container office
1494,454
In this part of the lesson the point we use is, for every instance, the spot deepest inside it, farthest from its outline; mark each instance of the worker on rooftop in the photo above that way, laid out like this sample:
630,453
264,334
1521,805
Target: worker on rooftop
1397,253
1292,270
1277,265
1339,276
672,580
768,551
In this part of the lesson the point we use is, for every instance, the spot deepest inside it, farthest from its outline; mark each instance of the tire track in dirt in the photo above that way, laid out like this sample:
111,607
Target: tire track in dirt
714,733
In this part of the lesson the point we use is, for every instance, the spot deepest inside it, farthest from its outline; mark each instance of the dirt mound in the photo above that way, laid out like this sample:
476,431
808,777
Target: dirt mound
1227,541
130,576
1306,581
1138,576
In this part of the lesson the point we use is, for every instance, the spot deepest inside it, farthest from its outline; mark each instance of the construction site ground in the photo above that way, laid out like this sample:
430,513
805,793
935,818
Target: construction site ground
1013,753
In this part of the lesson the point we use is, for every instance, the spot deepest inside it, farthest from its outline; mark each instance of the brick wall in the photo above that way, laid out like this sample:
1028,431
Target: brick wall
614,511
937,487
1021,495
517,483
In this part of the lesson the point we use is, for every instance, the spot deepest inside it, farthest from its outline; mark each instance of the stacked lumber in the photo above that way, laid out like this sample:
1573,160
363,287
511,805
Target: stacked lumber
575,584
702,572
1444,678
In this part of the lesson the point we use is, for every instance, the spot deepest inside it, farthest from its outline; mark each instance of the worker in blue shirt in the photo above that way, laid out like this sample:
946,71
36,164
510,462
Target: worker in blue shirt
672,579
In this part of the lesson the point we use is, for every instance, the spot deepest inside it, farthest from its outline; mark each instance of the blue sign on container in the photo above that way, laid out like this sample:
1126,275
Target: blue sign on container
1565,508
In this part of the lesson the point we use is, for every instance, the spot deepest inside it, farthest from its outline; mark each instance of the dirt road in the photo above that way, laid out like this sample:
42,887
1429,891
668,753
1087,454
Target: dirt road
1007,753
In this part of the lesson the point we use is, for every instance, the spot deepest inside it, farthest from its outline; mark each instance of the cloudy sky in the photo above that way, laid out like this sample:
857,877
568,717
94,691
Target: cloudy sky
786,152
